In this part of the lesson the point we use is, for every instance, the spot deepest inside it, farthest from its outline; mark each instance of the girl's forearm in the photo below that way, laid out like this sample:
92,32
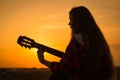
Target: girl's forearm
45,62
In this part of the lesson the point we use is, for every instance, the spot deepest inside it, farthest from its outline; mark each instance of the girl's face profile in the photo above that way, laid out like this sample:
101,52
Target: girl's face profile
71,22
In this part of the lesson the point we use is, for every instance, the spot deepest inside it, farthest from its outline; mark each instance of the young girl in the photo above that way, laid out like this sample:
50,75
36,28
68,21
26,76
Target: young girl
87,57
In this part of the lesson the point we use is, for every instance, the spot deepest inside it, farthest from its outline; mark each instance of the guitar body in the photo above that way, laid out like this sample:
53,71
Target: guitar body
61,76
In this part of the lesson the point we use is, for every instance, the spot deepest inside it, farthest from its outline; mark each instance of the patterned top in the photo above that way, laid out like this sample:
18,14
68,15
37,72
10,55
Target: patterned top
74,65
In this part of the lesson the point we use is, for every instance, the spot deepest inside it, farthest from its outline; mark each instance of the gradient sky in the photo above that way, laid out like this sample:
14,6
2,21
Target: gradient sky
46,21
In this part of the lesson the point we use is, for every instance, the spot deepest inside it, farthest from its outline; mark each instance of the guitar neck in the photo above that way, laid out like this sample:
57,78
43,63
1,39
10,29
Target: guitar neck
50,50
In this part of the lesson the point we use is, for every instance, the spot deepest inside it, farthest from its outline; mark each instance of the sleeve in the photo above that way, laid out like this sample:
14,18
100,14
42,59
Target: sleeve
74,58
64,62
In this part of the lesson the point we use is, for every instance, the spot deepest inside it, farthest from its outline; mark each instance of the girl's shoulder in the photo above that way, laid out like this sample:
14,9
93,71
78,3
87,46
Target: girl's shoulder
78,38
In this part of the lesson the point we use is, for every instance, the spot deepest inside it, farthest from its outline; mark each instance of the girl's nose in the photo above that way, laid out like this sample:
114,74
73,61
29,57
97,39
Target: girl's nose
69,23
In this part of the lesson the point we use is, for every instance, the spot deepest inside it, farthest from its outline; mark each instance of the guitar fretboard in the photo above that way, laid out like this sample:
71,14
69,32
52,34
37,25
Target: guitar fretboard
51,50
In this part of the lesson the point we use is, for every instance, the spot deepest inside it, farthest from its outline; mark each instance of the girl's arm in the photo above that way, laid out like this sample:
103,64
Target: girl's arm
40,54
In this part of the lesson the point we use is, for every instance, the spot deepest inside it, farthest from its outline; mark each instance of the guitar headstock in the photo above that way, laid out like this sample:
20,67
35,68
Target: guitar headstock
26,42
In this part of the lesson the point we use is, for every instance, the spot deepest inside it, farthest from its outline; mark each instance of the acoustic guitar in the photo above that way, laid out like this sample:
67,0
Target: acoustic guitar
30,43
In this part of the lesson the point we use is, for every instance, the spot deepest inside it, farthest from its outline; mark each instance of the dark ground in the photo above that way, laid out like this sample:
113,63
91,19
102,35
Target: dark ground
31,74
24,74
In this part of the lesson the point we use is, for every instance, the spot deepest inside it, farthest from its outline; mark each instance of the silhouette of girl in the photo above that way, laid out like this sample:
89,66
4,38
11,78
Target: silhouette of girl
87,57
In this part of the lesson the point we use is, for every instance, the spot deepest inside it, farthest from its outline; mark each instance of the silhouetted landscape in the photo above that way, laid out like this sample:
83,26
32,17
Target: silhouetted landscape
32,73
24,74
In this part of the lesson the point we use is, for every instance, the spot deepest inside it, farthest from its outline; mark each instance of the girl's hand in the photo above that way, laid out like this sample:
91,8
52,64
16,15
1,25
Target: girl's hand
40,54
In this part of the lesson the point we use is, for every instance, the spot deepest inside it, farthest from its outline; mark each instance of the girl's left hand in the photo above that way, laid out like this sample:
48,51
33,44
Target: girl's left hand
40,54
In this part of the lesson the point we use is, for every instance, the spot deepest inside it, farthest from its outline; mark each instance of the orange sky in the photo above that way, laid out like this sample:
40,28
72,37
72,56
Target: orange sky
46,21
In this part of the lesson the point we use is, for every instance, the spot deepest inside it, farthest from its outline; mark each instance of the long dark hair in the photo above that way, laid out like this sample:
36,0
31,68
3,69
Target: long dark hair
96,45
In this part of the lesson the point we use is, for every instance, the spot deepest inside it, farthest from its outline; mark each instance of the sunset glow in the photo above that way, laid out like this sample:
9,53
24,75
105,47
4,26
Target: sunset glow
46,21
